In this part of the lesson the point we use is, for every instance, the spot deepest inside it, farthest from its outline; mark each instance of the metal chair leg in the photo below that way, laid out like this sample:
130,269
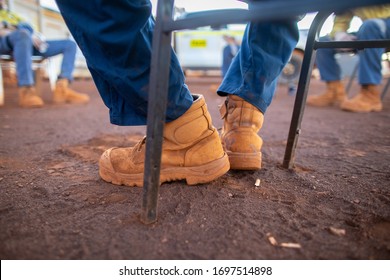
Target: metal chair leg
353,75
158,94
302,89
385,89
1,86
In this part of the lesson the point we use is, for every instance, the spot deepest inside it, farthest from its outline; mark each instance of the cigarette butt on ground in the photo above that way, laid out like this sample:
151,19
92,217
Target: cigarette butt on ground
272,240
257,183
337,231
291,245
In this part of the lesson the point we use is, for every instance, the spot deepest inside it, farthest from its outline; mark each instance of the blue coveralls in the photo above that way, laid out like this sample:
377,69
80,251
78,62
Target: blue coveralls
116,39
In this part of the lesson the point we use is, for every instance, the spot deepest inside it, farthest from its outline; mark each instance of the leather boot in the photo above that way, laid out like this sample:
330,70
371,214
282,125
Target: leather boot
334,95
367,100
28,97
242,122
63,94
192,150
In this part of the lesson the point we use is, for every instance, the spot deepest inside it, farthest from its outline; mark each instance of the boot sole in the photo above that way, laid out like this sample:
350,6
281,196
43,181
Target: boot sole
377,108
193,175
60,102
31,106
244,161
324,105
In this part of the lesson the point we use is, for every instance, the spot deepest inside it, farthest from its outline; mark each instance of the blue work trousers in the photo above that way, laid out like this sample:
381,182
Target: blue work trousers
19,45
116,39
370,66
265,50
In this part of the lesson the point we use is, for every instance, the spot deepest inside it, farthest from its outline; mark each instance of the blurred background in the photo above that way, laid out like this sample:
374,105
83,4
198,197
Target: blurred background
199,51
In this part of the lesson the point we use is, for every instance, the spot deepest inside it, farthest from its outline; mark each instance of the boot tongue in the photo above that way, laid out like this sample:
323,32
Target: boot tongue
223,109
140,145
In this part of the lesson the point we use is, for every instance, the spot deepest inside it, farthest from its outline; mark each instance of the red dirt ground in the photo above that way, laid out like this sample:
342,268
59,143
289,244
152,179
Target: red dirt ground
335,204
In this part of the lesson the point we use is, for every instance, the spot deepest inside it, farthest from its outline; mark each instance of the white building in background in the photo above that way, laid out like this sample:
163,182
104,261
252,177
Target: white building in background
44,16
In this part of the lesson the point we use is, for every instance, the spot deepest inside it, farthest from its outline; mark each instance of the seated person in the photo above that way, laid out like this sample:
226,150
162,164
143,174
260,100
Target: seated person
18,39
376,26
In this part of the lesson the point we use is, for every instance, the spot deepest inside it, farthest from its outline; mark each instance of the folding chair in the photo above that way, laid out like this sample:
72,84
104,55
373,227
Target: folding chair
304,81
258,11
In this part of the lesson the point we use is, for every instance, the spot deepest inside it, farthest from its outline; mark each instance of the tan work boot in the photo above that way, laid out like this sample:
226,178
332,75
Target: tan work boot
28,97
367,100
63,94
334,95
192,150
242,121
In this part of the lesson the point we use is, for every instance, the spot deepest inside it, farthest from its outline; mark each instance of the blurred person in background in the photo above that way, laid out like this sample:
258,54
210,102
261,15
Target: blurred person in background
18,38
228,53
375,26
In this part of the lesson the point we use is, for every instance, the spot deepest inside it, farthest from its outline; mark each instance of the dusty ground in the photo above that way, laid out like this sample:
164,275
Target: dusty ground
54,206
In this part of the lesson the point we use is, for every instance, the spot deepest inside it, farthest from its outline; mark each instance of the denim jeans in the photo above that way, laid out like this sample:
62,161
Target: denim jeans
369,59
19,45
116,39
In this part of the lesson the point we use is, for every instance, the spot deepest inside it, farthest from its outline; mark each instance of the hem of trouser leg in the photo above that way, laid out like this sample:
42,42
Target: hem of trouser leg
331,80
137,119
259,104
60,77
178,107
369,82
117,120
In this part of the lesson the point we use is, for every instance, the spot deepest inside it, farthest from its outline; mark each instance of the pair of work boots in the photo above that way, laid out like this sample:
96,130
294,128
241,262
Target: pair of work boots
29,98
367,100
192,148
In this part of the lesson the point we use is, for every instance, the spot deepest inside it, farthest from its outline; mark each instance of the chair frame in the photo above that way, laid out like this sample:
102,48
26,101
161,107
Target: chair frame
258,11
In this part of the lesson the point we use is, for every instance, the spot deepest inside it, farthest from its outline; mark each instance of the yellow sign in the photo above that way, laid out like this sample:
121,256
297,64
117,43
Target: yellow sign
198,43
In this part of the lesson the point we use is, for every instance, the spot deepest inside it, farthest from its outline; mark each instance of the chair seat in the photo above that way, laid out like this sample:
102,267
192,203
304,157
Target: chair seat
9,58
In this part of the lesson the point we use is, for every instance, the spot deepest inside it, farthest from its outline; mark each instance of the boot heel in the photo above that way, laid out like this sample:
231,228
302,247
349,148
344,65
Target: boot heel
208,172
377,108
245,161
